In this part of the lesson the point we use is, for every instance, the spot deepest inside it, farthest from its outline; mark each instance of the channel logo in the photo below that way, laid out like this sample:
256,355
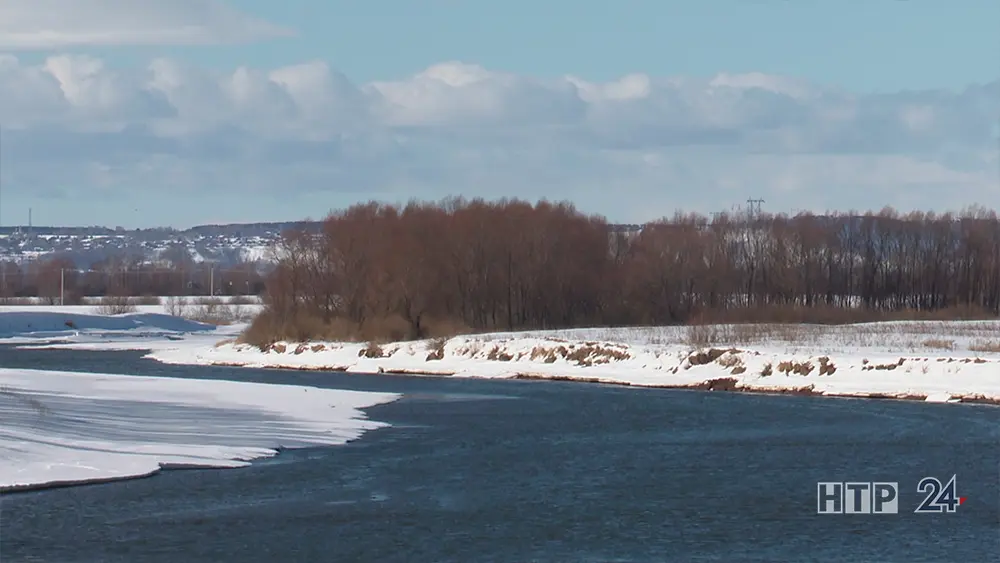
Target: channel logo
883,497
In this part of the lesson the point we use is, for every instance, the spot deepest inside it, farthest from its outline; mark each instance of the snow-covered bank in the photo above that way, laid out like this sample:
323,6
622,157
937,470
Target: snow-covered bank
20,320
933,361
90,302
60,428
927,360
56,323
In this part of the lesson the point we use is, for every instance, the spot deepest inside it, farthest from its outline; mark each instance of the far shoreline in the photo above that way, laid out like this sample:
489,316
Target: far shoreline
928,361
724,384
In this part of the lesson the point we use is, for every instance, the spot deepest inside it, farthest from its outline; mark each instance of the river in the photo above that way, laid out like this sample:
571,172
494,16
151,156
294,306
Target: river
517,471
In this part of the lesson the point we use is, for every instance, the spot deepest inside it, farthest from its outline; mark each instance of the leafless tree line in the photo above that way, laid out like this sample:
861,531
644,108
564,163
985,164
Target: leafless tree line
382,271
425,269
47,278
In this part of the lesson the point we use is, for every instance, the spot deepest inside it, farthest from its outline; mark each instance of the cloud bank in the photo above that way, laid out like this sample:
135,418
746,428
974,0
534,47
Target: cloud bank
75,128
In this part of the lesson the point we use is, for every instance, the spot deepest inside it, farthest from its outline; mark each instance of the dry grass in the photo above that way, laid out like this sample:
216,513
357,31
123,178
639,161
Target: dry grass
701,335
18,301
582,354
498,355
592,353
707,356
175,306
269,327
212,310
729,360
846,326
982,345
435,349
826,367
372,350
906,335
834,315
797,368
896,337
112,305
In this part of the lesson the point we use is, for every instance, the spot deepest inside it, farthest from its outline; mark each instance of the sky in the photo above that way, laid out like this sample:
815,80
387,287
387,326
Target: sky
141,113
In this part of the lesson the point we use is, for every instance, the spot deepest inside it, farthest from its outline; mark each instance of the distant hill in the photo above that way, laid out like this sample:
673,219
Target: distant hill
223,244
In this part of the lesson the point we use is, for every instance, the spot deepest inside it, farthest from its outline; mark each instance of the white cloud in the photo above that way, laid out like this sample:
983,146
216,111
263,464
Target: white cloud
634,149
57,24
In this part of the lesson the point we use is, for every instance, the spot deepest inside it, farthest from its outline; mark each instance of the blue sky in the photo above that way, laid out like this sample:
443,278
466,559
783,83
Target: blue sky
896,90
870,45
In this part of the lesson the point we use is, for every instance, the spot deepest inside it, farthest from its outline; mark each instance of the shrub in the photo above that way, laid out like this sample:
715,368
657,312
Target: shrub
213,310
270,326
112,305
147,300
175,306
982,345
939,343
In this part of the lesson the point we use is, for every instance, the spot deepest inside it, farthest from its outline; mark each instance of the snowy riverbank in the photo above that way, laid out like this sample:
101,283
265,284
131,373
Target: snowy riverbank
933,361
79,427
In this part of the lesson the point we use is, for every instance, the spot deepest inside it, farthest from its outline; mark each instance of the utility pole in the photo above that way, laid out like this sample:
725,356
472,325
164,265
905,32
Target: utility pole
62,287
211,280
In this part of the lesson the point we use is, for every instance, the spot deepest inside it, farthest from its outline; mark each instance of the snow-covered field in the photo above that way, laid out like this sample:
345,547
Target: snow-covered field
59,322
7,302
31,317
60,428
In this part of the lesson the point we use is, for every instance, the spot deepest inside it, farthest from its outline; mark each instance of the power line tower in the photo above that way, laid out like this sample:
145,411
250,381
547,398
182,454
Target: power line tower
753,208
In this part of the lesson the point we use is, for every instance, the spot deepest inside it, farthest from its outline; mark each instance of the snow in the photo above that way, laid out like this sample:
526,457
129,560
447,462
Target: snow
58,323
19,322
933,361
928,360
29,303
61,428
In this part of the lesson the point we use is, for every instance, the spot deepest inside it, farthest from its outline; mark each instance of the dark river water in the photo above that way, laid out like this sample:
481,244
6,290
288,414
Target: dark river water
518,471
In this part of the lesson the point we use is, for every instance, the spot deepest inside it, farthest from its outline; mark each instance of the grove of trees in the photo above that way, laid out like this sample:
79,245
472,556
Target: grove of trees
55,277
431,269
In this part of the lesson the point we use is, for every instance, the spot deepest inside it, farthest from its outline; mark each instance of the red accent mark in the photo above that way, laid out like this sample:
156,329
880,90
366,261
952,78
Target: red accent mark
961,500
